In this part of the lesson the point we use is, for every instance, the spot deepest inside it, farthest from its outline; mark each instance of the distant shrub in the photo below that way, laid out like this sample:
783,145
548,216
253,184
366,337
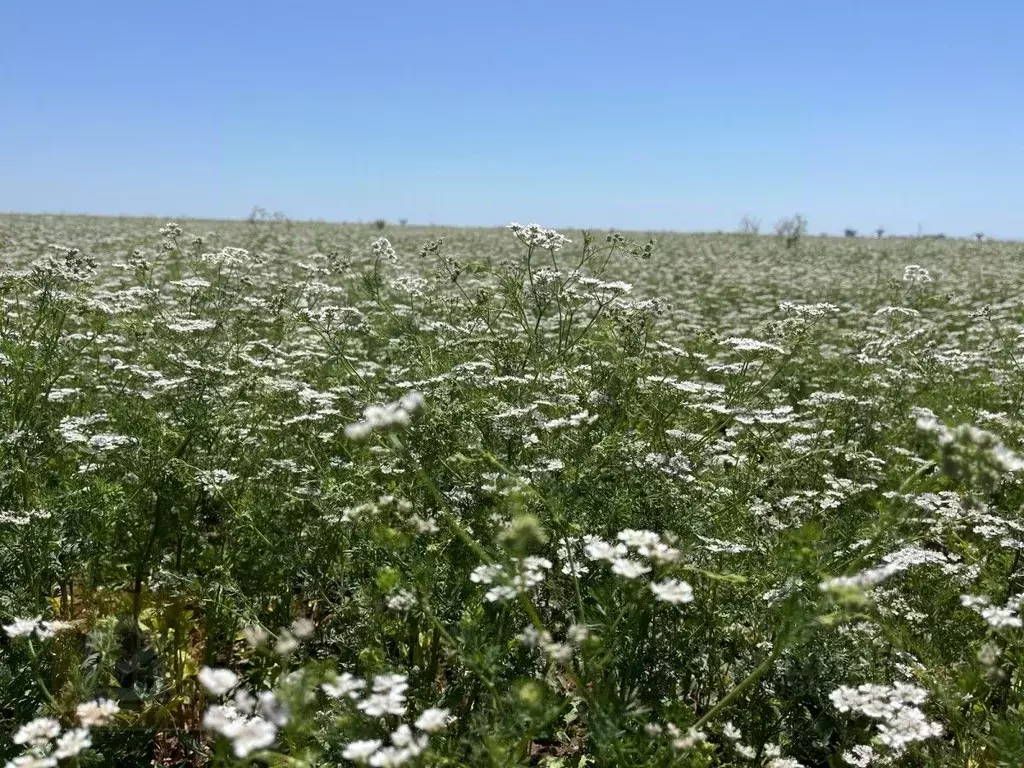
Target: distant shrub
791,229
750,225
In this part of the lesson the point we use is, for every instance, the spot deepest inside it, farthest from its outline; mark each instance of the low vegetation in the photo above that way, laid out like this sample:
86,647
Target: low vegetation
313,495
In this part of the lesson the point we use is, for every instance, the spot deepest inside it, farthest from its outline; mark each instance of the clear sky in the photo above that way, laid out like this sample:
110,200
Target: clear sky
644,114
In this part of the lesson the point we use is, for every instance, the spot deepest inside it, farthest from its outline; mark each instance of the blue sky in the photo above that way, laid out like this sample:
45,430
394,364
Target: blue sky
663,115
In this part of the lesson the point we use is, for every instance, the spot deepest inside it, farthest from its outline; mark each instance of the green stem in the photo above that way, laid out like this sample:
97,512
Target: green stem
736,692
39,680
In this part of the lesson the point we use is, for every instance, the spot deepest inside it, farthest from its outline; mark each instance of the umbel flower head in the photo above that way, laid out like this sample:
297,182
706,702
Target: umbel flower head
382,248
535,236
385,416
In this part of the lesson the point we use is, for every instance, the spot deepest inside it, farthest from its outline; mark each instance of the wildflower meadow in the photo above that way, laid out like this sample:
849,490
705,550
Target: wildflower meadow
315,495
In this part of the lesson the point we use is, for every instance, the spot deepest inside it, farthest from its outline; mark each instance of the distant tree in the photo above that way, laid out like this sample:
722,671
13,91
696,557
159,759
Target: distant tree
750,225
979,236
848,232
880,232
791,229
380,223
403,222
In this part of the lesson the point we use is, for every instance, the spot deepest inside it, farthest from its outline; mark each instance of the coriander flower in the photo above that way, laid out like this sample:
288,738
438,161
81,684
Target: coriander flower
37,733
303,628
629,569
433,720
387,698
860,756
217,681
191,325
31,760
379,417
254,735
347,685
72,743
896,707
914,273
534,236
597,549
48,629
402,600
247,734
382,247
98,712
22,627
673,591
361,751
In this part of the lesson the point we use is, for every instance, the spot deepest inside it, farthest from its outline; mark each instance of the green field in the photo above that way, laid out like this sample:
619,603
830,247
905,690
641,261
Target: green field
302,494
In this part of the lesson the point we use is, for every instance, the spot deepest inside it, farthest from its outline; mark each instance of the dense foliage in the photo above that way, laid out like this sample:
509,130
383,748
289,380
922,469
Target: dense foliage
315,495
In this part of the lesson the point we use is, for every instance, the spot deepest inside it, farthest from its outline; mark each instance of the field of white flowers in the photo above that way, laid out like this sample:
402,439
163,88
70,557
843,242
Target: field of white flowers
315,495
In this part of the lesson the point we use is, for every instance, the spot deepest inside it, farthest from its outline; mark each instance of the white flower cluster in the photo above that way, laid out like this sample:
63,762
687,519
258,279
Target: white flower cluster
171,229
405,746
96,713
692,738
681,741
67,264
191,284
622,555
893,563
914,273
573,420
997,616
735,737
385,416
889,311
401,600
45,744
743,344
861,756
896,707
213,480
529,573
288,638
672,591
819,309
559,653
24,516
249,722
108,441
191,325
382,248
386,697
72,428
535,236
44,630
587,289
372,509
783,762
228,256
